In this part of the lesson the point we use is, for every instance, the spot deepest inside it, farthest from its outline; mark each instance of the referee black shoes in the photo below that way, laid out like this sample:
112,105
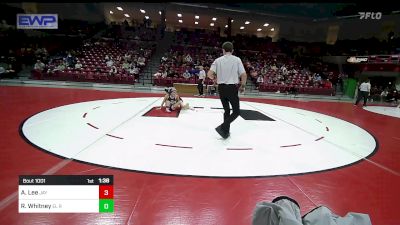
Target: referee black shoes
223,134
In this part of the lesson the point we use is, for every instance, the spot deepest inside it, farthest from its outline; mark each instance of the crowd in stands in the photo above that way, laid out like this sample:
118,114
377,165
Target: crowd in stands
14,51
270,70
99,61
118,56
126,49
7,66
387,94
22,48
181,64
190,51
279,73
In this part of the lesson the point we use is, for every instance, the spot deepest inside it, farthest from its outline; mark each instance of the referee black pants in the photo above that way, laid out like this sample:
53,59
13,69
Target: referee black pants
200,86
228,93
362,94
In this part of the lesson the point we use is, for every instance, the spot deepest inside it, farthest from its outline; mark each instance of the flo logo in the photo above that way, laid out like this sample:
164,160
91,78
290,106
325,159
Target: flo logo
370,15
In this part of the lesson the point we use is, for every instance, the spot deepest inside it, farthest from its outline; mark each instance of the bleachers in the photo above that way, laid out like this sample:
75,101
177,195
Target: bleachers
269,66
204,53
94,68
203,48
175,64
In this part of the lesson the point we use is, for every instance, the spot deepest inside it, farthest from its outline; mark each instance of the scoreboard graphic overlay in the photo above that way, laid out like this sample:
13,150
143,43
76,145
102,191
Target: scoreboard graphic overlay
66,194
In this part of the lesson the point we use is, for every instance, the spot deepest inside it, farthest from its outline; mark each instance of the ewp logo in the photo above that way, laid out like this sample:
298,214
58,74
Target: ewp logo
37,21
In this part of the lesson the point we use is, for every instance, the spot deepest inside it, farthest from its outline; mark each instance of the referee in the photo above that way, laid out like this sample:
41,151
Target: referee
363,92
228,68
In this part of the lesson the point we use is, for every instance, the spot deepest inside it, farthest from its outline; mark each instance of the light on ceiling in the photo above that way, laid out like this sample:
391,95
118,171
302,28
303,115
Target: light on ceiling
259,29
272,29
180,21
126,15
147,17
214,19
247,22
241,28
142,11
266,25
179,15
226,26
111,12
212,24
159,12
197,17
195,22
119,8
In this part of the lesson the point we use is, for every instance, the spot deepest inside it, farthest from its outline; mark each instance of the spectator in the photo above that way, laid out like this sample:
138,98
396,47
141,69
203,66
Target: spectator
157,75
70,60
134,71
186,74
125,65
164,59
260,80
127,56
392,96
61,67
327,84
78,65
141,61
164,74
264,70
284,70
110,63
200,82
6,72
384,94
113,70
2,71
317,78
39,66
253,73
188,58
213,89
194,71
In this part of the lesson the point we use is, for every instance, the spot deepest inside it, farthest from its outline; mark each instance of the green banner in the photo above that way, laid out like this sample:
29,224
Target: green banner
350,86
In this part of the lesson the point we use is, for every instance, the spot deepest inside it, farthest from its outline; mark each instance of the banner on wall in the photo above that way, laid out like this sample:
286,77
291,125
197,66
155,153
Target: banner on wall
356,59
